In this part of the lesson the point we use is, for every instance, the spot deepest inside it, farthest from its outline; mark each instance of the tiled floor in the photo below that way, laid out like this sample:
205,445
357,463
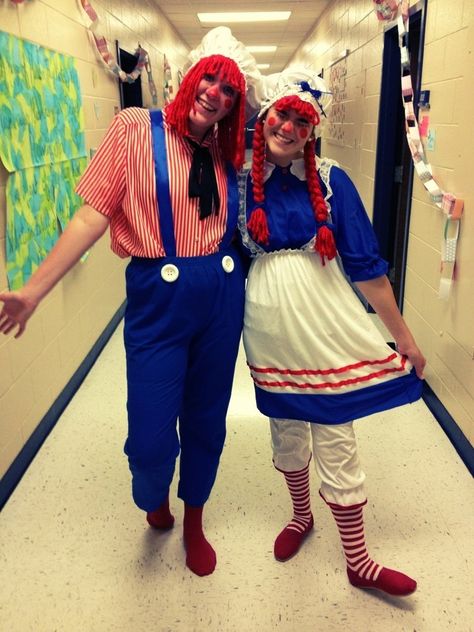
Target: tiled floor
76,555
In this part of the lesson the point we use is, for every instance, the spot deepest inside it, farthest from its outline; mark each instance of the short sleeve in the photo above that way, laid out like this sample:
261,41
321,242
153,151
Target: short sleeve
355,238
103,183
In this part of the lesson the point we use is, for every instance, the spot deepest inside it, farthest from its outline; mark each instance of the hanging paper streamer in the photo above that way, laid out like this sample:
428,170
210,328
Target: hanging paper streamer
386,9
42,146
451,206
102,46
424,126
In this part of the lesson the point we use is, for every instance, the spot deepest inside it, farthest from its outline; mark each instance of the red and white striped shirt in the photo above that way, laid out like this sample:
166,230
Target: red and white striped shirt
120,183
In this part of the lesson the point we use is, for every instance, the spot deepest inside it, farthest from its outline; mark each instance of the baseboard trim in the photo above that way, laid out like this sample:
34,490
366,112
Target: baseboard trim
19,466
454,433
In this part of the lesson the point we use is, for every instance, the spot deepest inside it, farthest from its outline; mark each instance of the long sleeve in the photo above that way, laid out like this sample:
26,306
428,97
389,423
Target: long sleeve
355,238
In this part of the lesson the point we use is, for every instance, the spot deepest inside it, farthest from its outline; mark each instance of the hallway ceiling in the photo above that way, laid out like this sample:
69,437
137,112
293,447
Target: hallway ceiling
287,36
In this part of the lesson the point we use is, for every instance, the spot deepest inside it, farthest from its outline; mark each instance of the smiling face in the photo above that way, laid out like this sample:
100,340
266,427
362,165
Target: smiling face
285,132
214,99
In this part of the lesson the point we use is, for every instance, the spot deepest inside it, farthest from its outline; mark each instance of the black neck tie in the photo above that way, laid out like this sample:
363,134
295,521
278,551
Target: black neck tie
202,180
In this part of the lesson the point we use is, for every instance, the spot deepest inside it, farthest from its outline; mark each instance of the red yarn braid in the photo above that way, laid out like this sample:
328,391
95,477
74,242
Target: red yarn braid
230,129
257,224
325,244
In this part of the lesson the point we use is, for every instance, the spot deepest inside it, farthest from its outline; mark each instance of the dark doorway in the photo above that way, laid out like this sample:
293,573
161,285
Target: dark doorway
130,93
394,166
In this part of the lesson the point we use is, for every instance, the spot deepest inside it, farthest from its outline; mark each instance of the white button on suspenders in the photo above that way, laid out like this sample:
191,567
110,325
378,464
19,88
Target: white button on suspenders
228,263
169,273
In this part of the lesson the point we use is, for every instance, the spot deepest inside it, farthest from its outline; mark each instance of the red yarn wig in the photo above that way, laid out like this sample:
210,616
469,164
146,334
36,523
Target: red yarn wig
230,129
257,224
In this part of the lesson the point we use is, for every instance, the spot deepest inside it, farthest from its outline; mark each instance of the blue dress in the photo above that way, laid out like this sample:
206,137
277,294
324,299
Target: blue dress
313,351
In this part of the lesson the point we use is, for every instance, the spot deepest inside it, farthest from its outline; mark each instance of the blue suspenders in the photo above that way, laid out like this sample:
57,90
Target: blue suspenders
165,211
232,206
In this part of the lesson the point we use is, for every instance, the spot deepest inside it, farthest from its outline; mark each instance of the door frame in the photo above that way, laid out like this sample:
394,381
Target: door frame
392,200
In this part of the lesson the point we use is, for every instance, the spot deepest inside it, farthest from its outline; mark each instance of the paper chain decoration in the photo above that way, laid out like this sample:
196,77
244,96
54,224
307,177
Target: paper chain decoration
451,206
108,59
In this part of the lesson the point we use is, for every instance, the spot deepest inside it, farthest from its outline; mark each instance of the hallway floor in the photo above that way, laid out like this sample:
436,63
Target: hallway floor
77,556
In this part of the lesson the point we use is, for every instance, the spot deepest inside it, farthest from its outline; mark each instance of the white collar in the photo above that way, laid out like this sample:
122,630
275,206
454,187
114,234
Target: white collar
296,168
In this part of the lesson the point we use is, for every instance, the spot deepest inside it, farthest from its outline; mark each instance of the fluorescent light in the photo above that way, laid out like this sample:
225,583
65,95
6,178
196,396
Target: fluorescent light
244,16
263,66
261,49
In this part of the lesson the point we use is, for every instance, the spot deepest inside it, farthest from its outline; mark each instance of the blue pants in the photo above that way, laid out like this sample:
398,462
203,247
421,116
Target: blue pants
181,341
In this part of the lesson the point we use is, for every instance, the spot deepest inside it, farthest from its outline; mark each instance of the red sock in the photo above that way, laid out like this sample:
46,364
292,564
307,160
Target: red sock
362,571
200,556
290,539
161,518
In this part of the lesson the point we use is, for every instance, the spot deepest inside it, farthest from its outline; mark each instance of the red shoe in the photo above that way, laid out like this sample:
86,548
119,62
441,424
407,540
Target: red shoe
289,541
389,581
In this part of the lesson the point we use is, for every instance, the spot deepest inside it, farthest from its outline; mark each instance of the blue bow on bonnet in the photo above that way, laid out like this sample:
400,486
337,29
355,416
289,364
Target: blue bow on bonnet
305,87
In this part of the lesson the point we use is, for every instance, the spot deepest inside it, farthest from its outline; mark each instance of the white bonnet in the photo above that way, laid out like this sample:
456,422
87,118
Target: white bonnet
300,81
220,41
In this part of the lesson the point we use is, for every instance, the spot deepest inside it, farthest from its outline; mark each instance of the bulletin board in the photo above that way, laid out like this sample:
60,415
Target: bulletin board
42,146
337,112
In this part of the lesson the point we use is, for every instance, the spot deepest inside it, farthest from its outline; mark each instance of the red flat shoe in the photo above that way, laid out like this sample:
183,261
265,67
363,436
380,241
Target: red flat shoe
389,581
289,541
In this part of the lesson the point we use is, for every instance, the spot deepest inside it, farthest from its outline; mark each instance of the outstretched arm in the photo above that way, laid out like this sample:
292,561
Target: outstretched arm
85,228
380,295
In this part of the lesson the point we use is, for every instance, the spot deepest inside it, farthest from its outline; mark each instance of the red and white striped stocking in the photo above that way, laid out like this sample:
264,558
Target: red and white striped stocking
362,571
290,539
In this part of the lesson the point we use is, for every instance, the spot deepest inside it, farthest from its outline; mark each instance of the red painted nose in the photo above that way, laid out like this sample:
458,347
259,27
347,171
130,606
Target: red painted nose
213,92
287,126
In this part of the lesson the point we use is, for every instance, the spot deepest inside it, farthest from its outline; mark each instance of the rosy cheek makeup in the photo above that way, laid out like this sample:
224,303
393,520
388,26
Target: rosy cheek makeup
303,132
228,103
271,121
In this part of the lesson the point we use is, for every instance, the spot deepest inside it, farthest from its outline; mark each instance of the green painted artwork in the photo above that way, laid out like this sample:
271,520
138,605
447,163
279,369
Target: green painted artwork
42,146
